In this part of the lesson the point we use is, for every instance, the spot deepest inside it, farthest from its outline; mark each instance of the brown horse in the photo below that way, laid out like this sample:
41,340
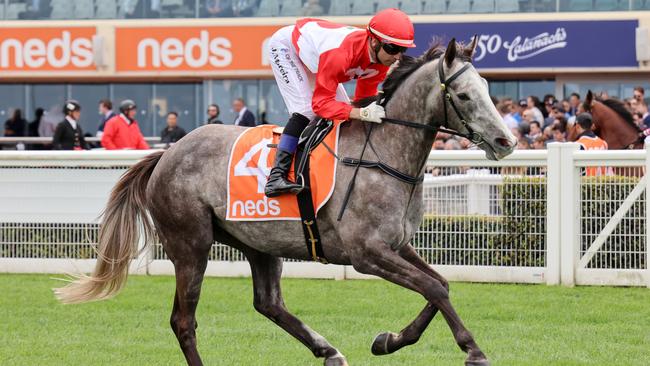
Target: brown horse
612,123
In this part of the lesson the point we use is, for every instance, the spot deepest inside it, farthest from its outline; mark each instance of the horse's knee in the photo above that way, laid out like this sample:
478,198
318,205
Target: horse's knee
445,284
437,291
270,309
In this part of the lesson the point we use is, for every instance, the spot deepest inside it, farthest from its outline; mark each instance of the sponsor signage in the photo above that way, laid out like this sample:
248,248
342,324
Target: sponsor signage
47,49
241,49
593,43
169,49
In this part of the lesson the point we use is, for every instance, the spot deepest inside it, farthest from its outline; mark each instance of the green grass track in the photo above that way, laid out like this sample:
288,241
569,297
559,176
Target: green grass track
514,324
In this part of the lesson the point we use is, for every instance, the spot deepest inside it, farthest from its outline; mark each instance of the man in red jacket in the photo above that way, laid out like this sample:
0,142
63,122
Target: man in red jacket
122,131
311,59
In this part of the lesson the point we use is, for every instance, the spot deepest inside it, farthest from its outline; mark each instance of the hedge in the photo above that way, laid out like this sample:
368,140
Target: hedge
517,237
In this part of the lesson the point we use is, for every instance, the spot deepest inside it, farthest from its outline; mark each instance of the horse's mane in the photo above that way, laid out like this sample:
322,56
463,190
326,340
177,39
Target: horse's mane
620,109
407,66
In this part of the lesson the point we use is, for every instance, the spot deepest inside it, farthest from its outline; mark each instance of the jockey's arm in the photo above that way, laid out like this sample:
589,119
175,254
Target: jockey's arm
366,87
324,102
355,113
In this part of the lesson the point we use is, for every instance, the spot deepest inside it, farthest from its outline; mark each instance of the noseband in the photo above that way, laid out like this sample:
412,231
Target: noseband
447,93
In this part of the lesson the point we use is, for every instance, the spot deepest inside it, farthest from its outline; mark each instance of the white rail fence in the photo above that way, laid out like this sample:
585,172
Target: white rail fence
536,217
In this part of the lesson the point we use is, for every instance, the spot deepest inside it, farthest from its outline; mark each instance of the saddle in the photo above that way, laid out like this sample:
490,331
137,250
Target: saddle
312,136
315,133
309,139
249,167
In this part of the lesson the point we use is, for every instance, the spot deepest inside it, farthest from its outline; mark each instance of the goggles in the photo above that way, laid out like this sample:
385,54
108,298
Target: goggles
392,49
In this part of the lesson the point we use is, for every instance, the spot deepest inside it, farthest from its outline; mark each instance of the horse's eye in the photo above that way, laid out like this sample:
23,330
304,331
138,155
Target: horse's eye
463,96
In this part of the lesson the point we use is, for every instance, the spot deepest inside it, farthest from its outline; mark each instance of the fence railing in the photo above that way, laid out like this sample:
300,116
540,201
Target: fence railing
539,216
20,142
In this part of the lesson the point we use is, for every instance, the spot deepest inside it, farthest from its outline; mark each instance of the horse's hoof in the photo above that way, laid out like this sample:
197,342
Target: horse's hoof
481,362
380,344
338,360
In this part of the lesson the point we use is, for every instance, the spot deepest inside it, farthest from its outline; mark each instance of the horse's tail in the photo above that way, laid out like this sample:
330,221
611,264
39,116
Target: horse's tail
119,236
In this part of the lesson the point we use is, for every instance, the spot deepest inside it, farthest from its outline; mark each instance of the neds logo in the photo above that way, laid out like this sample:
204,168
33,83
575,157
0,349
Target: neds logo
196,52
62,51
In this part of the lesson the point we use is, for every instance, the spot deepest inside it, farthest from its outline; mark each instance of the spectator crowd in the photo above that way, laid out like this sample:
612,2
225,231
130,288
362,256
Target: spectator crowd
534,121
115,130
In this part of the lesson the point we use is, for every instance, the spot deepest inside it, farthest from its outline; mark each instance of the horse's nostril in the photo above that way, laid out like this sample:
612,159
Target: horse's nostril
503,142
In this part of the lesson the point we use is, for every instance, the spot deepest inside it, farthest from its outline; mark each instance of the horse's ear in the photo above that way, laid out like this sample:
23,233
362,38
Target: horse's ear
469,50
589,101
450,52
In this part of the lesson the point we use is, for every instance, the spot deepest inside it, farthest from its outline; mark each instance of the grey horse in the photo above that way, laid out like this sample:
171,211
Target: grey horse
180,195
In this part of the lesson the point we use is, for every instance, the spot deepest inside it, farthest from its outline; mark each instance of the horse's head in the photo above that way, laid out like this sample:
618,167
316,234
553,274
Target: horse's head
611,121
442,88
468,107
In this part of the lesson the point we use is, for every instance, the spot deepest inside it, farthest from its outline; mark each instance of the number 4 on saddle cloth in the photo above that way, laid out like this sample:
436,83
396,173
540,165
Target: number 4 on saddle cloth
251,159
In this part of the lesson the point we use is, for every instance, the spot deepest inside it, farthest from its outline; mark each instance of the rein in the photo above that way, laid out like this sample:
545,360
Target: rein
471,135
429,127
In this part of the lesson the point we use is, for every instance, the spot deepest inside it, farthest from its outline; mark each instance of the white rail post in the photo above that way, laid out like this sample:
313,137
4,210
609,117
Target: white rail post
478,192
647,215
569,191
553,209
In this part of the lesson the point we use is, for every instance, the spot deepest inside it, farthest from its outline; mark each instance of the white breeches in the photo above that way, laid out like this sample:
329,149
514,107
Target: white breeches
296,83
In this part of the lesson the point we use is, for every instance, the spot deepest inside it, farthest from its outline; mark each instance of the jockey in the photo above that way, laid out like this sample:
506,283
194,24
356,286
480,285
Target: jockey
312,58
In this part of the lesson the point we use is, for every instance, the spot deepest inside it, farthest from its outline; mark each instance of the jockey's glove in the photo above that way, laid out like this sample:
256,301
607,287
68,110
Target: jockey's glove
372,113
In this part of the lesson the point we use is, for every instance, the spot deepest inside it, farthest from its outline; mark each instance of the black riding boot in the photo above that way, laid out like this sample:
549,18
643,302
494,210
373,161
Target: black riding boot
278,183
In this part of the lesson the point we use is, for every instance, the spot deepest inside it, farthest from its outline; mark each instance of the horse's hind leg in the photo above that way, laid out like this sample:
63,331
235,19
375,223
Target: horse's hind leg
189,276
187,240
268,301
389,342
385,263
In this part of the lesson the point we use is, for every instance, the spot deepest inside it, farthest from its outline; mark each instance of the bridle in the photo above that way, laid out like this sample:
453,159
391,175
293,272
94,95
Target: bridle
447,94
432,127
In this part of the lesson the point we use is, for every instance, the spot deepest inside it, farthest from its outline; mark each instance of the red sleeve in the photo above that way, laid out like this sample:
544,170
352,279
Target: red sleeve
109,135
331,68
367,87
142,144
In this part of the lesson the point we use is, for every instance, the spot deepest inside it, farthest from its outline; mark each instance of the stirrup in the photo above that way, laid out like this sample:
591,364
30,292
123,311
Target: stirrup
280,191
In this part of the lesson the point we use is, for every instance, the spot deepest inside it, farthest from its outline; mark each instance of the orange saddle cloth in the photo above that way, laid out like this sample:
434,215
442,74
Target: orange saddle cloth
251,160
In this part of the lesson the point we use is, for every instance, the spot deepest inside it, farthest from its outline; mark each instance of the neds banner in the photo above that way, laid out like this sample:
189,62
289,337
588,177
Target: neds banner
541,44
165,49
47,49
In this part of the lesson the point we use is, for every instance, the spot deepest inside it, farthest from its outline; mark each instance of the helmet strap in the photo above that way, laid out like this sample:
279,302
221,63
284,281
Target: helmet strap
376,49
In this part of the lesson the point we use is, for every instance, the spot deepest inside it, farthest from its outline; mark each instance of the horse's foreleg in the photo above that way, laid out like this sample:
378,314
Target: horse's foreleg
387,264
389,342
268,301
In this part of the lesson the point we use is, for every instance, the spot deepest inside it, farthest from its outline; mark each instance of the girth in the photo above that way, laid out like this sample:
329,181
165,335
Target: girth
309,140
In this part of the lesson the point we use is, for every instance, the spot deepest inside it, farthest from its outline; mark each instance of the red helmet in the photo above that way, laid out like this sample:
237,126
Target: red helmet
392,26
